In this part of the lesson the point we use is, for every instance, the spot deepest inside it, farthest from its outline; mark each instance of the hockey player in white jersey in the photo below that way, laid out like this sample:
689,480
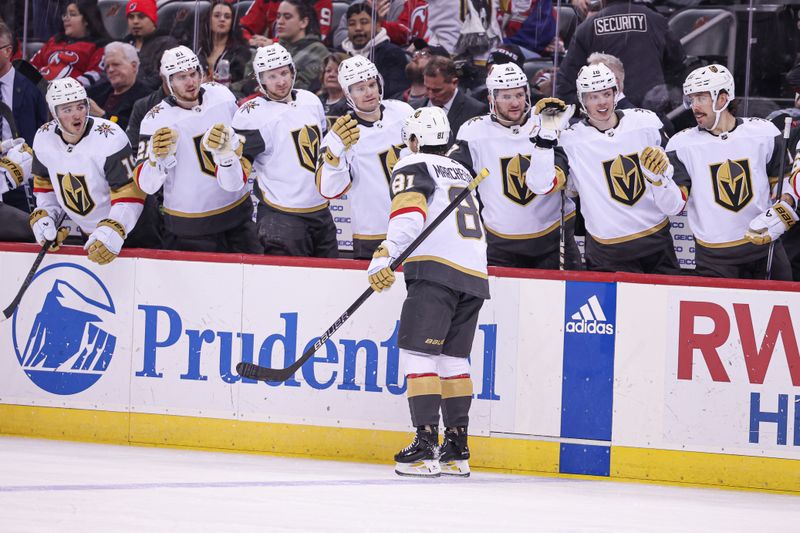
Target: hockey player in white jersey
199,215
727,166
522,227
613,159
281,131
83,166
360,151
446,280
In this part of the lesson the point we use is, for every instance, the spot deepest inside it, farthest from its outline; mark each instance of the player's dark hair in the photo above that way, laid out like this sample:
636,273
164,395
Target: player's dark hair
439,149
305,10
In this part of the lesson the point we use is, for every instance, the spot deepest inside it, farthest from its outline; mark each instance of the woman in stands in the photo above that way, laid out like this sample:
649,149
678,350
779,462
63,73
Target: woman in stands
330,93
77,52
221,39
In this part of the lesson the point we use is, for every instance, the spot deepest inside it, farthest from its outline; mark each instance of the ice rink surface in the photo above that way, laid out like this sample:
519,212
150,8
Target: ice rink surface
58,486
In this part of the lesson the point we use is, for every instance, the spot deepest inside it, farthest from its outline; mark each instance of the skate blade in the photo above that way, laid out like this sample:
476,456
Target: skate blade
424,468
455,468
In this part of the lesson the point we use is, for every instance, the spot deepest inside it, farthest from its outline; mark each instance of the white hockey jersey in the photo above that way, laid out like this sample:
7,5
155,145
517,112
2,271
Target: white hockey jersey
366,169
455,253
282,142
727,177
510,208
194,203
85,178
604,169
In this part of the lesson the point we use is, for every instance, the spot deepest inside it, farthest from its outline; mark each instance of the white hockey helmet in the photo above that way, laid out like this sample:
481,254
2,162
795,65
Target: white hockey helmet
269,58
355,69
593,78
64,91
507,76
712,79
175,60
429,125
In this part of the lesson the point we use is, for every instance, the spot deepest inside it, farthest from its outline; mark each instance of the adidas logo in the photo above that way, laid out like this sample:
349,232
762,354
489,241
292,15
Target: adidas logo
590,319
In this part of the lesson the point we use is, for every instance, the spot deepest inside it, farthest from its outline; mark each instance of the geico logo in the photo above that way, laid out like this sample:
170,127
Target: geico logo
345,220
336,207
686,261
169,350
678,249
677,224
600,328
681,237
691,249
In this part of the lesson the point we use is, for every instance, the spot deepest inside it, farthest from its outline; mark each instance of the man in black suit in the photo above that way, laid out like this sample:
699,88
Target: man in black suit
28,111
441,82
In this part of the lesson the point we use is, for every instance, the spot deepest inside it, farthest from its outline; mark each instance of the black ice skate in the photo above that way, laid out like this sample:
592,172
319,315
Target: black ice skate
454,453
421,457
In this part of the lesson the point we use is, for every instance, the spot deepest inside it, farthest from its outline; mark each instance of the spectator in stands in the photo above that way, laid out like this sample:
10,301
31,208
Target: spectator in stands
638,36
258,24
542,83
77,52
298,31
537,36
27,103
114,99
147,39
403,20
22,111
363,39
221,39
331,92
417,95
441,81
507,53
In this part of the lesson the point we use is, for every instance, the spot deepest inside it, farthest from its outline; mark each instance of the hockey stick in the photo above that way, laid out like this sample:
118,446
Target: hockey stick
8,311
561,236
262,373
787,125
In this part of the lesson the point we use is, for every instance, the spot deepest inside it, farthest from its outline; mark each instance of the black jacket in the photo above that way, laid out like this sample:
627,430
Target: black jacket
101,92
150,56
464,108
140,108
635,34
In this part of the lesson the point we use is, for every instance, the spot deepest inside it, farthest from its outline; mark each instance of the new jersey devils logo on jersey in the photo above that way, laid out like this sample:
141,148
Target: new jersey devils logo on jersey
306,143
733,187
389,159
75,193
624,178
513,170
60,64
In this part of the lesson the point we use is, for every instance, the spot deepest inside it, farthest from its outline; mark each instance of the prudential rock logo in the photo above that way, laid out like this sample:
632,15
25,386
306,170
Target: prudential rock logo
60,330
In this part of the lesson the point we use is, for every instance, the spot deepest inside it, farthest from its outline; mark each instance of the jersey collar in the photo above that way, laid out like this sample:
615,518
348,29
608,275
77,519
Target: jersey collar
86,131
367,123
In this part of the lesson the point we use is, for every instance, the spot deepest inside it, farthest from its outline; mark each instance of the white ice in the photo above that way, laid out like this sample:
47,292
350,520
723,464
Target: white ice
67,486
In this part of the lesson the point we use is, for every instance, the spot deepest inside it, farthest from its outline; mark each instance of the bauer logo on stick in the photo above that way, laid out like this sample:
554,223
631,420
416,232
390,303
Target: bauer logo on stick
60,330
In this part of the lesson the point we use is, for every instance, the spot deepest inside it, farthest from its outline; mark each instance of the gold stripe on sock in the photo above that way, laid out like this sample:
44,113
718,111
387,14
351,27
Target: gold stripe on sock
424,385
453,388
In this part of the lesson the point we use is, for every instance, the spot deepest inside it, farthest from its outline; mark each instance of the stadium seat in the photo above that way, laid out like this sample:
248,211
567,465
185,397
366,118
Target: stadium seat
114,19
708,34
240,8
32,47
567,23
177,18
339,9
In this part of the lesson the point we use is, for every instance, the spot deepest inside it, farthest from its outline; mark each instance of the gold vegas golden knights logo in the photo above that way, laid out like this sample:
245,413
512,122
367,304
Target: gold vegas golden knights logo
389,160
513,170
75,193
204,157
733,186
624,178
306,142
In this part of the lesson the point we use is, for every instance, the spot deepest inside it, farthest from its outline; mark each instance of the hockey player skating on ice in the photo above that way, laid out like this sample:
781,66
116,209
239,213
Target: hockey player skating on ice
446,282
522,226
199,214
83,166
727,166
360,151
281,130
614,161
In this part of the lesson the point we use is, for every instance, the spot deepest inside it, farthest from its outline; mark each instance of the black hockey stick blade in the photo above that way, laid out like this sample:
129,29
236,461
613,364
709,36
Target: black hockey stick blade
262,373
8,311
